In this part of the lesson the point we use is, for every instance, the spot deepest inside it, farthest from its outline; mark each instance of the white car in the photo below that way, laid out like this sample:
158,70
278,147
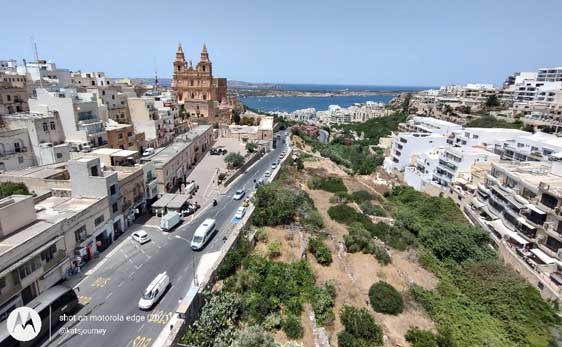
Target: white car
140,236
240,212
281,156
239,194
273,165
267,173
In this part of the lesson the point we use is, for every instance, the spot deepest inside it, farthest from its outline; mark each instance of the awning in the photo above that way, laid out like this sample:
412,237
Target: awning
545,258
499,227
524,222
477,203
515,236
535,209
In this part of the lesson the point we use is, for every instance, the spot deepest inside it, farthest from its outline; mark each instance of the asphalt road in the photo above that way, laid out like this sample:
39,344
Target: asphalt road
115,285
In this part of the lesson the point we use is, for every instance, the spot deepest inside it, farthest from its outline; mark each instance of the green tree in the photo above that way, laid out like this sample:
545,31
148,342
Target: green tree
234,160
361,330
12,188
251,147
492,101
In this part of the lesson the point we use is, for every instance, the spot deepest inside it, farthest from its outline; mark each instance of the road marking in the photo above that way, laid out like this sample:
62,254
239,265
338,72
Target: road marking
120,284
108,295
142,326
138,266
131,274
100,282
84,300
140,341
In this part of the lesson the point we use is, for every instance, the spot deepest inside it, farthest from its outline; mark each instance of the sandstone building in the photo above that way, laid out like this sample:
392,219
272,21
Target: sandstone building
198,91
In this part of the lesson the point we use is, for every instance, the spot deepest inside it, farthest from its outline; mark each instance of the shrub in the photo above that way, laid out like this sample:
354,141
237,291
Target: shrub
323,304
275,205
274,249
360,328
421,338
261,235
342,214
358,239
12,188
234,160
253,336
292,327
329,184
217,321
234,258
313,220
320,251
385,299
372,210
382,255
361,196
272,321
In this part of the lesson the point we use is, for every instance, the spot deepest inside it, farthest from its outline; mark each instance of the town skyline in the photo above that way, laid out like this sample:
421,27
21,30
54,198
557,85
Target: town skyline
379,43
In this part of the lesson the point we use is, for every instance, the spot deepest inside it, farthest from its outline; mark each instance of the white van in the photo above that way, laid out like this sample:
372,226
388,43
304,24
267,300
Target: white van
154,291
170,220
203,234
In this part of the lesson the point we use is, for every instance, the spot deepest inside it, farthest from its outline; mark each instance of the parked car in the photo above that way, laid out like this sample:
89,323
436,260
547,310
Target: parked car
267,173
140,236
148,151
154,291
240,212
273,165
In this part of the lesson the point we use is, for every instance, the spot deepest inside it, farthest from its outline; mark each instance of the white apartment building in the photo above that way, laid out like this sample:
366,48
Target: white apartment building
90,79
145,118
15,149
532,147
47,140
428,125
550,74
45,72
80,115
406,145
114,101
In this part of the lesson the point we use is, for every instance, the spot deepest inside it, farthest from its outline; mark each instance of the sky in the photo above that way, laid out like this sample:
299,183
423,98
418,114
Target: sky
364,42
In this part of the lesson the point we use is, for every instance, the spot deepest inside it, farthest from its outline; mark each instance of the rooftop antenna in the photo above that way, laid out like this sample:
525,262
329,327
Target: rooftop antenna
155,75
36,53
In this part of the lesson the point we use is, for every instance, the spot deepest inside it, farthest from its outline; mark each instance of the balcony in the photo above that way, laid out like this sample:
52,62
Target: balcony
56,260
6,294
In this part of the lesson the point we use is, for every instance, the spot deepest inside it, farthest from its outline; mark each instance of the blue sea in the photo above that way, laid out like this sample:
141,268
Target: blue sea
292,103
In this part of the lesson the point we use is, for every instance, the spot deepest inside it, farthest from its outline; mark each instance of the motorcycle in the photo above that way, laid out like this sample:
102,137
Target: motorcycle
215,203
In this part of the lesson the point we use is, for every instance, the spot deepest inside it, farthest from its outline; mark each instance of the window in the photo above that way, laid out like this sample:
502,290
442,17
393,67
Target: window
48,254
59,155
8,97
45,126
20,160
52,125
28,268
115,208
80,234
113,189
94,171
99,220
120,136
17,147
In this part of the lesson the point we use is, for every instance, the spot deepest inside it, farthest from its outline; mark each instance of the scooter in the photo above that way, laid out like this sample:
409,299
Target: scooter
215,203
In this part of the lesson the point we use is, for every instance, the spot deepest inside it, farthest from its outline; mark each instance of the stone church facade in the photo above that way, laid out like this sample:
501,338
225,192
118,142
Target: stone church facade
203,96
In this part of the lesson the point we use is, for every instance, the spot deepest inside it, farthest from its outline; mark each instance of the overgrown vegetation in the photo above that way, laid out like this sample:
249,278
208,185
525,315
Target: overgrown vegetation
320,251
351,148
479,301
361,330
488,121
330,184
323,304
12,188
425,338
385,299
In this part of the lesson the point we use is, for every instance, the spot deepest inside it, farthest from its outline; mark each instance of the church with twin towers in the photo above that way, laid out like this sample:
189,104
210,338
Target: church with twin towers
203,96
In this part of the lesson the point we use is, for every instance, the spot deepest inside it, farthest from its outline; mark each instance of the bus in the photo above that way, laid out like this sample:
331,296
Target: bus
60,299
